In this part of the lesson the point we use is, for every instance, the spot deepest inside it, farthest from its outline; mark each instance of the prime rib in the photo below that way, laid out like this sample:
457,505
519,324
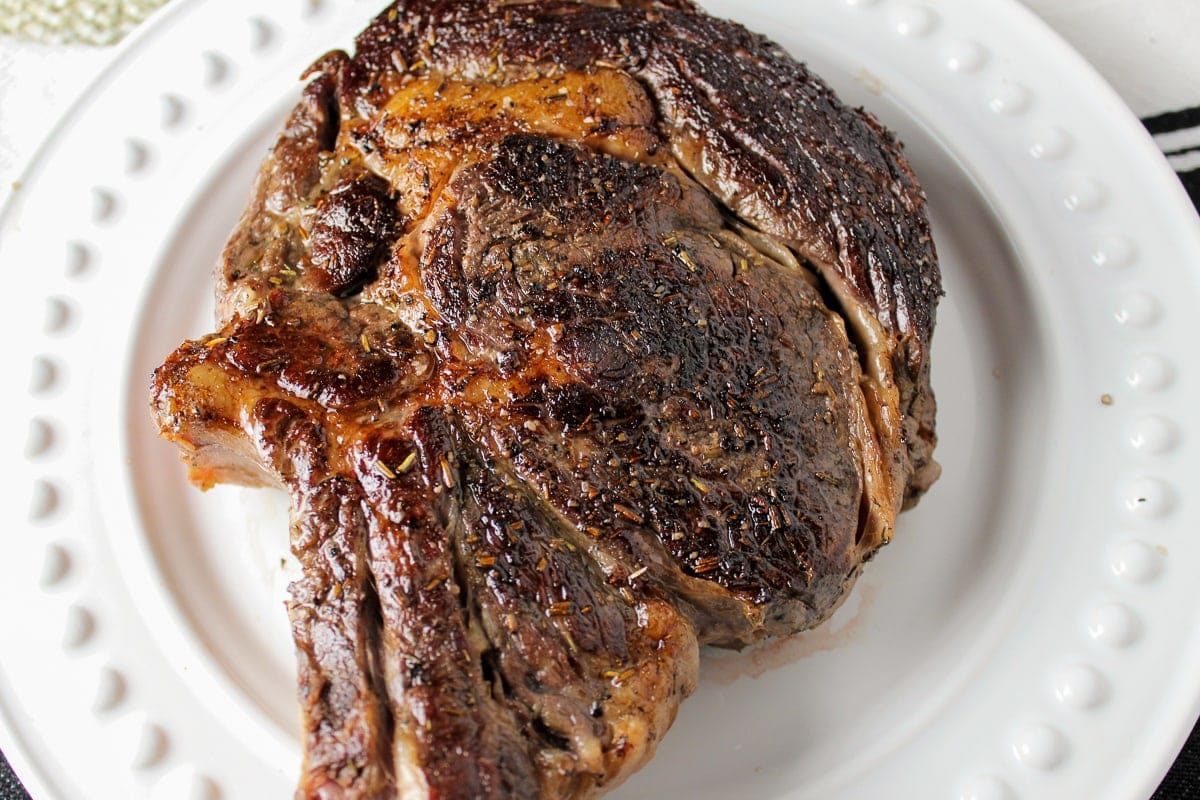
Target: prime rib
582,334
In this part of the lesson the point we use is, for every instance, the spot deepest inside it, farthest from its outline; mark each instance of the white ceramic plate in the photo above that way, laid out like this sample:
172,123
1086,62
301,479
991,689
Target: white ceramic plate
1032,632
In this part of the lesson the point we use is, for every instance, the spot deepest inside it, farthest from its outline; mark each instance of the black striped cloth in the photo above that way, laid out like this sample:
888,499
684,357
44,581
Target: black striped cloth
1178,134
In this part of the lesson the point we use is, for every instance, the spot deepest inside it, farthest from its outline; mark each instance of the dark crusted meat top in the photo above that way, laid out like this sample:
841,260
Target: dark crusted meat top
768,138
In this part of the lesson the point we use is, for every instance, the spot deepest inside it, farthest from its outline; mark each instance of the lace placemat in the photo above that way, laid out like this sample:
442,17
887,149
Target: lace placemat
93,22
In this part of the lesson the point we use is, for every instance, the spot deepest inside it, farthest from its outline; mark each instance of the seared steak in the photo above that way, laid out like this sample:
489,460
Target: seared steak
581,334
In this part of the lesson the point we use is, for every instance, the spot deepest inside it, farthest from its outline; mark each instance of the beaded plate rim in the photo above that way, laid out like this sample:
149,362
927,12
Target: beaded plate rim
1037,748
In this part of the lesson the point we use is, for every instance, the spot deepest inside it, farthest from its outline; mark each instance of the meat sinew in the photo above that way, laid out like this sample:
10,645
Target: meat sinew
581,334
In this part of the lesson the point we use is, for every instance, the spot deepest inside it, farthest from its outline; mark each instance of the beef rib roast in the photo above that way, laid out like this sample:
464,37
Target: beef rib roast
581,334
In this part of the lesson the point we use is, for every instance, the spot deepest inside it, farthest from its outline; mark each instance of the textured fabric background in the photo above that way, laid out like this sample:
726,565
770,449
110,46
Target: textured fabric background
1183,781
10,789
1145,48
94,22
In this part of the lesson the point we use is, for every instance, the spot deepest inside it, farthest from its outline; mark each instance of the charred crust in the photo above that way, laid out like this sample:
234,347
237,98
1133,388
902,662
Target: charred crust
354,222
828,179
